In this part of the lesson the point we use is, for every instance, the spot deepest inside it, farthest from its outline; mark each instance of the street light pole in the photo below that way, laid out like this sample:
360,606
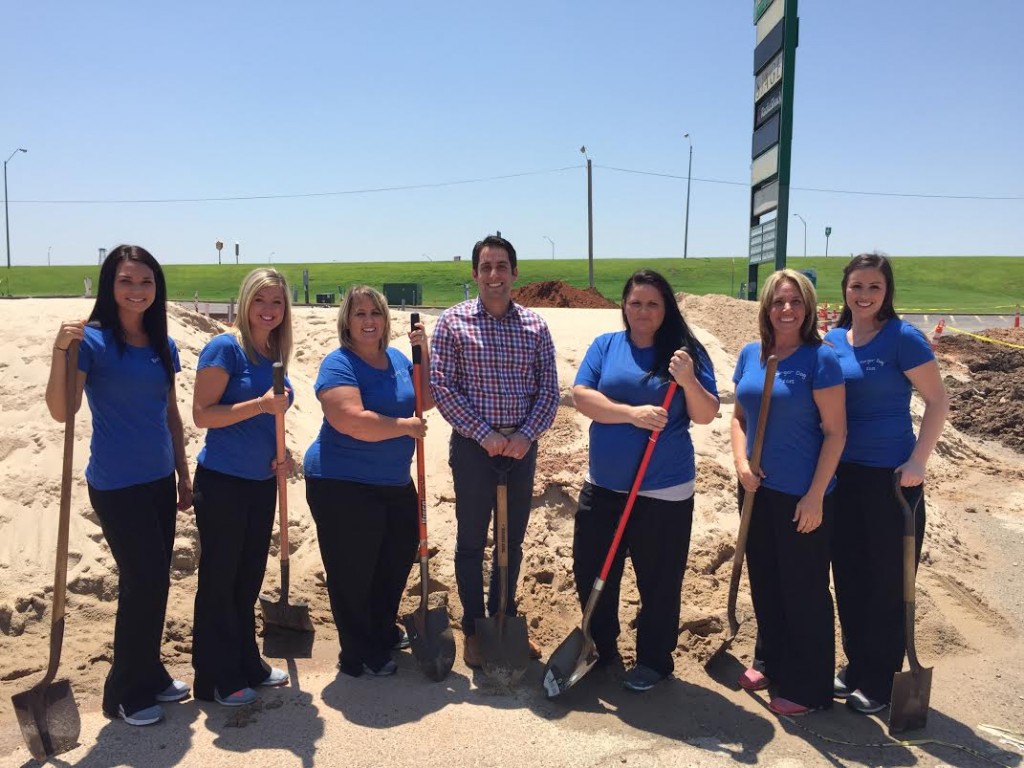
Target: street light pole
7,216
552,246
590,216
805,232
689,172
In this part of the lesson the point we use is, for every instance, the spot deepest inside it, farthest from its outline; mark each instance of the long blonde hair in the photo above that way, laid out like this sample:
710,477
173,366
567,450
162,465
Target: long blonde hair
280,340
344,324
808,330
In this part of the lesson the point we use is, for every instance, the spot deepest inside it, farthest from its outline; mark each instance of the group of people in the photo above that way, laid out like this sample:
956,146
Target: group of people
839,426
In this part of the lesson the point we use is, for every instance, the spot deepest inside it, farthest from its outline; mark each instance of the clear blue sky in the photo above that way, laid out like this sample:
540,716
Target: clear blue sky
125,101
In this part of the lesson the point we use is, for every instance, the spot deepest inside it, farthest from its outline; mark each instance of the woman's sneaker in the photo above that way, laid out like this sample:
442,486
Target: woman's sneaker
860,702
386,669
146,716
781,706
176,691
839,689
275,678
237,699
641,678
753,680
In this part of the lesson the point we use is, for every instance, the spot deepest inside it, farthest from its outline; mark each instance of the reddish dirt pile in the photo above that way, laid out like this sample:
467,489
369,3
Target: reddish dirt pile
985,382
555,293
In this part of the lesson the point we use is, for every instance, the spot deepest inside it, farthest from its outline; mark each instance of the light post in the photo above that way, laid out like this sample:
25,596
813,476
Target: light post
48,249
805,232
271,256
828,233
7,216
590,215
689,172
552,246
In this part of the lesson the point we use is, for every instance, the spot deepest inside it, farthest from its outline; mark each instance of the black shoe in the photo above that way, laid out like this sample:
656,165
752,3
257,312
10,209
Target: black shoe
860,702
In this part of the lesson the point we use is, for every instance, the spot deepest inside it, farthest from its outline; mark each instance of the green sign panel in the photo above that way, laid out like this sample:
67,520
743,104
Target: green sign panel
760,6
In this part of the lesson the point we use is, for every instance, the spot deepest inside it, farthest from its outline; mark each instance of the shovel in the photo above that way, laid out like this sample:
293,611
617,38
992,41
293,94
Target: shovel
911,691
748,497
279,614
578,654
47,712
504,645
429,629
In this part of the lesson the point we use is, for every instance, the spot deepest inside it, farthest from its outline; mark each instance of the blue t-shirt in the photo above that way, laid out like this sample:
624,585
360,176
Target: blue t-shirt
616,368
792,436
389,392
879,432
127,394
245,449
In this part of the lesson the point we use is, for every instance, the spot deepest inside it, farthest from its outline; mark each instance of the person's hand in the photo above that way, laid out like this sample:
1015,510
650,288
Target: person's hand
288,464
652,417
494,444
418,336
70,330
184,493
274,404
517,446
681,367
911,474
808,514
747,478
415,427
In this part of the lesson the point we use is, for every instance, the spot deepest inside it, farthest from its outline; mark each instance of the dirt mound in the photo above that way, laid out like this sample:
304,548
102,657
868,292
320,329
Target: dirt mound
555,293
986,385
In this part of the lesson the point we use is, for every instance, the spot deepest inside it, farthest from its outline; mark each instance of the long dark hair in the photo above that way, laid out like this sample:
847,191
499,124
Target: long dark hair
154,320
869,261
674,332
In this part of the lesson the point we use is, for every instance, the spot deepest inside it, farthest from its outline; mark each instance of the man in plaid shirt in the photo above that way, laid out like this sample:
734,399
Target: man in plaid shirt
493,377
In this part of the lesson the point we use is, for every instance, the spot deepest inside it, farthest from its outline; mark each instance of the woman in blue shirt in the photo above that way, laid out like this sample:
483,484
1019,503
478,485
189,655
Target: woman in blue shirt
788,544
358,484
620,386
235,489
883,359
126,368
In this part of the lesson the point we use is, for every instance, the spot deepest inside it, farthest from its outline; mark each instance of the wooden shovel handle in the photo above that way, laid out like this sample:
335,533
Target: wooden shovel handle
282,477
60,577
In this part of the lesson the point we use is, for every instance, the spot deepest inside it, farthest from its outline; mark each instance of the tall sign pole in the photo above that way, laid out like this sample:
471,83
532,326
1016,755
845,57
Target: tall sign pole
771,146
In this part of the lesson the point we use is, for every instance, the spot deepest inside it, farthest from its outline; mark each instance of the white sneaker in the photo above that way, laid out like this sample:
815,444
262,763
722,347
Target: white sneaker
146,716
176,691
275,678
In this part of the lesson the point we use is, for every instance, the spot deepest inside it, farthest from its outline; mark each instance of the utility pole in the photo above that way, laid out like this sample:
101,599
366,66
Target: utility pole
590,216
689,172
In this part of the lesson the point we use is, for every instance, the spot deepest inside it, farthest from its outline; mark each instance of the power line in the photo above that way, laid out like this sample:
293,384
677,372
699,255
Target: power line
286,196
869,193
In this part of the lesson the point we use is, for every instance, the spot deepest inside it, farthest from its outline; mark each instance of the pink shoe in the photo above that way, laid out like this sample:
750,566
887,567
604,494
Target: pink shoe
781,706
752,680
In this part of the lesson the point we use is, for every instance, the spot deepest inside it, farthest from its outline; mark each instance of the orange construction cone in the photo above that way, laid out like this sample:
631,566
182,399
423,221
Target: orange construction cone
1016,318
939,328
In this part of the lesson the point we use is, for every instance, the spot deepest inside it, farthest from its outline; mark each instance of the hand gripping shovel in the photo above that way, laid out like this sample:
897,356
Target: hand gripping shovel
578,654
47,712
748,497
504,644
911,691
429,629
279,614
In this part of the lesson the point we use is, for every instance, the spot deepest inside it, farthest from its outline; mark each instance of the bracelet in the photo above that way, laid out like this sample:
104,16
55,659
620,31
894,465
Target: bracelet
259,403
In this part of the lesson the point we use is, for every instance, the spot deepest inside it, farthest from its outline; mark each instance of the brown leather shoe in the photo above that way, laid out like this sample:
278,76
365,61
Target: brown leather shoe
471,652
535,650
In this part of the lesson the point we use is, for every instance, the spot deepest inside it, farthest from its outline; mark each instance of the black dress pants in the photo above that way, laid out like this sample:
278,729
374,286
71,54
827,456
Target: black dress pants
368,536
235,517
867,566
138,524
657,538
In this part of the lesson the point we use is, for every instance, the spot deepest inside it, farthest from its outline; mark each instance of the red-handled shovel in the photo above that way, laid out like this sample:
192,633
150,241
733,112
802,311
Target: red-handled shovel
577,654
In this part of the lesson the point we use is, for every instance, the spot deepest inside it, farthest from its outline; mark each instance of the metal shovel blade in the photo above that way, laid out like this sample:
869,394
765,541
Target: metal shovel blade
569,663
911,692
504,648
49,720
292,616
433,645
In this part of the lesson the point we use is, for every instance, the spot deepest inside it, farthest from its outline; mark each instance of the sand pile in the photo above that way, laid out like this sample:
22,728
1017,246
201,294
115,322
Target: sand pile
555,293
956,603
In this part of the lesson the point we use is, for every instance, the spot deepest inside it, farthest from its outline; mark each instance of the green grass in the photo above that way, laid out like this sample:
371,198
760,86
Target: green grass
979,284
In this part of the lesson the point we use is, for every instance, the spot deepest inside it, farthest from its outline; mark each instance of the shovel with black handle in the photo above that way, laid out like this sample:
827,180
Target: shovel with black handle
912,690
429,629
47,712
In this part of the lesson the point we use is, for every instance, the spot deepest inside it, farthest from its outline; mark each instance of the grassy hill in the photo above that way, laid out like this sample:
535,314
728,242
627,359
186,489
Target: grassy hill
978,284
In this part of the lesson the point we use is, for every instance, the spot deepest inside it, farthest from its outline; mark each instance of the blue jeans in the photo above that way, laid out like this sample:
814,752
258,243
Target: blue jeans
476,480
